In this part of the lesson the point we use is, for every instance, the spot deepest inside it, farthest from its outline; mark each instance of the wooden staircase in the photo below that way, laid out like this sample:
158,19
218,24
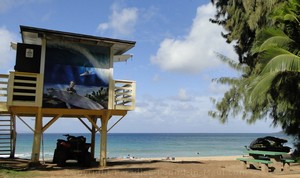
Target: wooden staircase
7,136
7,122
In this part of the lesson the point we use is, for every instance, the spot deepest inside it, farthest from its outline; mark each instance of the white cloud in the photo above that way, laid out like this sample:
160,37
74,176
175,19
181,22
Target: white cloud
173,115
173,109
182,95
121,21
195,52
8,55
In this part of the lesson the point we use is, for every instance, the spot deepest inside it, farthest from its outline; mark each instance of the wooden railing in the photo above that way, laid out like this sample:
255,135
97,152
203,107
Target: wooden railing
3,91
24,89
124,94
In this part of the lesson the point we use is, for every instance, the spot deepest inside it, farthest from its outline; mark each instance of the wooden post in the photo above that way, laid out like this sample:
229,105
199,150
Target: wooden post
103,143
36,146
93,138
13,136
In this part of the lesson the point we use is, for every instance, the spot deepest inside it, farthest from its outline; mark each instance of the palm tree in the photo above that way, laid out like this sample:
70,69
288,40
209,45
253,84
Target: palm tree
270,83
276,87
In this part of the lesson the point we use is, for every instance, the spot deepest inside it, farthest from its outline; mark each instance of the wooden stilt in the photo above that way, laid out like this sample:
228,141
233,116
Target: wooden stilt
93,139
13,136
35,155
103,144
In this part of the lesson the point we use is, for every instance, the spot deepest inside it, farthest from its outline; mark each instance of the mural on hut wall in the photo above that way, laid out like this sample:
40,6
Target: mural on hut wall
76,75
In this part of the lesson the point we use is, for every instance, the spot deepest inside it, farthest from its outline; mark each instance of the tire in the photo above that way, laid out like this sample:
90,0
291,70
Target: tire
55,156
61,158
87,159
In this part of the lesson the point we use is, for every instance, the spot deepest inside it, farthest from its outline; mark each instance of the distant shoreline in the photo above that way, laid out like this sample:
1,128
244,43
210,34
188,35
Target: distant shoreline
180,159
23,132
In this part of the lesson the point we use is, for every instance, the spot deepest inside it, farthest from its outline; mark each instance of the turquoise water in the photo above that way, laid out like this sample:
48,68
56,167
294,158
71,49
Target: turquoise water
154,144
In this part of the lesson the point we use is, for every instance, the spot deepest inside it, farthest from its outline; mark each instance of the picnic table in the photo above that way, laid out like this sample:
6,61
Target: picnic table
266,160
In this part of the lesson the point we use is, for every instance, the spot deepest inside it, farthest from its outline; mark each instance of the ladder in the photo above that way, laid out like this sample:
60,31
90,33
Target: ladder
7,135
7,122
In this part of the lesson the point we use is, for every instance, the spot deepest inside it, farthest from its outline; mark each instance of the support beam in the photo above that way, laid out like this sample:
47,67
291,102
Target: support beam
25,123
115,123
84,124
92,122
13,136
103,143
51,122
93,138
36,146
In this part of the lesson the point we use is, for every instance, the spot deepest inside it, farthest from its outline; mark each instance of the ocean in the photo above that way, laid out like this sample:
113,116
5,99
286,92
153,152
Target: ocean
153,145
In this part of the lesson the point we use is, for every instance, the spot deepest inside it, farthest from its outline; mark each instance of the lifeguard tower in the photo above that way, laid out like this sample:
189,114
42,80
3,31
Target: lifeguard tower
61,74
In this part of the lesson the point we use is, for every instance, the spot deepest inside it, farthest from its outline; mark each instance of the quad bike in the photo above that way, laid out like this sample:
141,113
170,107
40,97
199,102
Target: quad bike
73,148
269,143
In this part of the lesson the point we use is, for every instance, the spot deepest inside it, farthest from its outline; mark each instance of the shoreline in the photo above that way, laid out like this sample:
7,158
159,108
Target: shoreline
179,159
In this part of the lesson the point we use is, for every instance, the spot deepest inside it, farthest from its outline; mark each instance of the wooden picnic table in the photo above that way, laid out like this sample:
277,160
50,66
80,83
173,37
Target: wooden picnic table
266,158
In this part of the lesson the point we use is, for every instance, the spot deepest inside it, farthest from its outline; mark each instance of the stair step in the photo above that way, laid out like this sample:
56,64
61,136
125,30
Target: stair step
6,129
7,146
5,153
5,115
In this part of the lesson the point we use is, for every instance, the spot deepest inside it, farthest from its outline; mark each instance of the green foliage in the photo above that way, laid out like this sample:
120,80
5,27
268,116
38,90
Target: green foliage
269,62
242,20
100,96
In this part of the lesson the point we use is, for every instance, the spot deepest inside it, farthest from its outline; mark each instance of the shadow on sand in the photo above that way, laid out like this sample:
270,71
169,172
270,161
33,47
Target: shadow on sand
129,166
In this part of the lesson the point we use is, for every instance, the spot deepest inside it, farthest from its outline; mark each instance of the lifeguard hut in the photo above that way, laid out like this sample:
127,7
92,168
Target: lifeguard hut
61,74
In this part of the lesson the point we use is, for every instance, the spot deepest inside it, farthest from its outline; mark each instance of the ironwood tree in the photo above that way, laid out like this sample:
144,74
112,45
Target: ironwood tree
266,37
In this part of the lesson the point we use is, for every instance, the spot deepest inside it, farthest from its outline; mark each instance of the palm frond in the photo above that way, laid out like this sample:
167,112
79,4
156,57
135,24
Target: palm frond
283,62
269,38
282,41
265,56
258,89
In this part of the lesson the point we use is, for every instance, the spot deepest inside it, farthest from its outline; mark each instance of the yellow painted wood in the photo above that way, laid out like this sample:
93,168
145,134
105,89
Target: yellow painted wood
103,141
93,138
13,136
3,107
51,122
84,124
92,122
36,146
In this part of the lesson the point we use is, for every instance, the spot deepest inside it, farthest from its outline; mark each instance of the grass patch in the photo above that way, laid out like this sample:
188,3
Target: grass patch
7,173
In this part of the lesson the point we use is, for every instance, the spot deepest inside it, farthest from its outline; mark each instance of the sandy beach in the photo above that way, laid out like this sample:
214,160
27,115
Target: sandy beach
203,167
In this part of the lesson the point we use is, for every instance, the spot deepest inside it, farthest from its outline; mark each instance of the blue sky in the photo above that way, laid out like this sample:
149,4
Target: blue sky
173,61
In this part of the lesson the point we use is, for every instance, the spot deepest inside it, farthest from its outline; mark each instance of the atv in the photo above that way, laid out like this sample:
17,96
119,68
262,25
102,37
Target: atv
73,148
269,143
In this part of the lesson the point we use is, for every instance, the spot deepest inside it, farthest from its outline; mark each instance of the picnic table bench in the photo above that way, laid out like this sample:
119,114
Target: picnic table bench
266,160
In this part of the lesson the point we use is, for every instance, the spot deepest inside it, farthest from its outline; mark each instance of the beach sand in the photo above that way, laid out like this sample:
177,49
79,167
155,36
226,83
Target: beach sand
183,167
